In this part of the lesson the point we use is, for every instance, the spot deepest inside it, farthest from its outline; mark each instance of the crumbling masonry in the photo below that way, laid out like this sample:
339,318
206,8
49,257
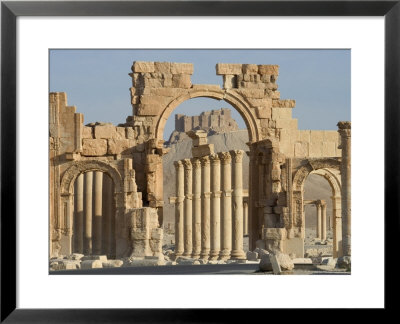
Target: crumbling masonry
91,166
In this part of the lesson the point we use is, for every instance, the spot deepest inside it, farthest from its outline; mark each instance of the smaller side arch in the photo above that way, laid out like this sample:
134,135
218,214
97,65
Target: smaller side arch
79,167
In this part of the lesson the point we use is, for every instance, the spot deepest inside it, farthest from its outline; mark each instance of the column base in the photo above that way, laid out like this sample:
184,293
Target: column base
224,254
238,255
187,254
214,254
205,254
196,255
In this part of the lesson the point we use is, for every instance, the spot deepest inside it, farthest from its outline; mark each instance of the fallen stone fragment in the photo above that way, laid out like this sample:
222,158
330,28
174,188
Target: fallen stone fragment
91,264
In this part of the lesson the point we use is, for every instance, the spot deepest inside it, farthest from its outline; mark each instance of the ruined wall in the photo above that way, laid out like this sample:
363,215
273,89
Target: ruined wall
76,149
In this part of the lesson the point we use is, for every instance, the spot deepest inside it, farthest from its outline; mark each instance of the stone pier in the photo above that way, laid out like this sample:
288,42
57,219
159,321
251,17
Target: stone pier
345,135
323,222
88,212
78,232
98,212
319,219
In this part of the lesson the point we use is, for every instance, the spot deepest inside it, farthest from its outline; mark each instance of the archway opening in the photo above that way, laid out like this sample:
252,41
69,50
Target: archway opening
319,215
226,131
93,220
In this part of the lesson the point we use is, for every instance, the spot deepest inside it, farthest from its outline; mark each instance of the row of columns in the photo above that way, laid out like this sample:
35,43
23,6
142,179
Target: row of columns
320,217
208,211
94,221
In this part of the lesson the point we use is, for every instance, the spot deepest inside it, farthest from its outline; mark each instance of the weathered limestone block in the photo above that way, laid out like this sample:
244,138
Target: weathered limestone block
229,81
181,68
329,148
87,132
286,123
285,262
283,103
94,147
263,112
167,92
139,66
251,256
130,133
112,264
119,133
117,146
155,100
202,150
154,83
265,263
181,81
281,113
315,149
162,67
102,258
223,68
276,268
250,68
145,234
253,93
331,136
275,233
104,131
301,149
91,264
268,69
149,110
76,256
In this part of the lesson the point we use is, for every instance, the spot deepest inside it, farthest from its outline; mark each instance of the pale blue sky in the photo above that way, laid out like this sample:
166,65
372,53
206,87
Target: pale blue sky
97,81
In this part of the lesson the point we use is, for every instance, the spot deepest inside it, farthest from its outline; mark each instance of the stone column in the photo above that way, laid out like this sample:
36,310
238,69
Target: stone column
107,215
345,170
245,217
98,212
179,211
337,227
188,247
318,205
226,215
215,207
205,224
323,222
237,241
196,208
78,235
88,213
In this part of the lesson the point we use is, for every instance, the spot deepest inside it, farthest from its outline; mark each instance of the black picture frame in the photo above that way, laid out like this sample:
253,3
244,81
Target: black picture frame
10,10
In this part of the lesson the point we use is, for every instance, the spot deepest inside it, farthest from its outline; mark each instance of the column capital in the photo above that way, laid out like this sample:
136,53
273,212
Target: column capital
187,164
206,194
195,163
214,158
216,194
344,128
225,157
205,160
237,155
178,164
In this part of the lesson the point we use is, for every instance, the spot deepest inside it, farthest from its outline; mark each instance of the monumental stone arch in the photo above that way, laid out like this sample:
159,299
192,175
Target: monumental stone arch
237,100
281,156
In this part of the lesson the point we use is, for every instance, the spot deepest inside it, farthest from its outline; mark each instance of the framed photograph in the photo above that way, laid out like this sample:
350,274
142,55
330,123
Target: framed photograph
45,43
